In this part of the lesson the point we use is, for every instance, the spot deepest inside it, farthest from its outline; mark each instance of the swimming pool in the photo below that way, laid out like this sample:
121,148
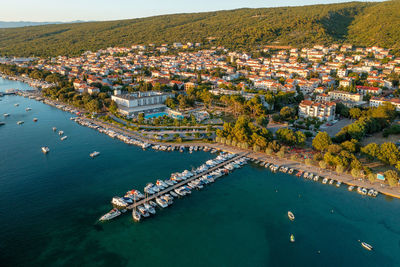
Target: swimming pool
155,115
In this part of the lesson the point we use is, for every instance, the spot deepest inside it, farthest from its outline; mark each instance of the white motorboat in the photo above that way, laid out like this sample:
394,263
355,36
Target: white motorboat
94,154
20,122
63,138
119,202
45,149
366,246
110,215
60,132
136,215
291,215
161,202
350,188
6,115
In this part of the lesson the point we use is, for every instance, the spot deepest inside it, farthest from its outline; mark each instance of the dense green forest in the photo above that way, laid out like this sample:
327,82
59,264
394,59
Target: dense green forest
361,23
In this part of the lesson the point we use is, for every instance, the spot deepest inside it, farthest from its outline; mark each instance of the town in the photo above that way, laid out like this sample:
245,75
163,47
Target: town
327,101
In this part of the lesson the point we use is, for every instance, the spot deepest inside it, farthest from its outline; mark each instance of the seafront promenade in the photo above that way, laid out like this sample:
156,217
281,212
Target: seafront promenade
344,178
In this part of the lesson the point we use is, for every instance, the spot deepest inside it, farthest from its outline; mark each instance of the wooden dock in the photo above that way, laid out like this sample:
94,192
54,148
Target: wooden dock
184,182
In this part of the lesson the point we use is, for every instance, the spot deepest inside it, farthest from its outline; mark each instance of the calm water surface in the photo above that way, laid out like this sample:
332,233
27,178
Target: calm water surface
50,205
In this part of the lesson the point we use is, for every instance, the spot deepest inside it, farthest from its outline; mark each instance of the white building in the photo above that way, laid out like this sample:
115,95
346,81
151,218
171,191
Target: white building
140,102
320,110
378,101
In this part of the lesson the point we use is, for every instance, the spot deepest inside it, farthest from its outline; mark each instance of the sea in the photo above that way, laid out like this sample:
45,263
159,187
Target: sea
50,205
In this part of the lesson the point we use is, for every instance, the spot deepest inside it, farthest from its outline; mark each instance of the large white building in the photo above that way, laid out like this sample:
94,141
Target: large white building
320,110
346,98
378,101
131,104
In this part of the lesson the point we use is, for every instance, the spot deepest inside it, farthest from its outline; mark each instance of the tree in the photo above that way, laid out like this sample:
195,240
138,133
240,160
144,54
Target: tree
113,107
287,113
349,146
355,173
355,113
322,164
321,141
371,177
93,105
339,169
372,150
389,153
392,177
334,149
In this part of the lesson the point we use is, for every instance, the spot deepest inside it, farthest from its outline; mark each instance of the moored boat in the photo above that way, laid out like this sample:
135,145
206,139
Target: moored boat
110,215
292,239
291,215
366,246
45,149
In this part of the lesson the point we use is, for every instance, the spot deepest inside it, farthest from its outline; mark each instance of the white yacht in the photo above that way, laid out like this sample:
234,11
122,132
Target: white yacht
290,215
325,180
20,122
118,201
110,215
136,215
161,202
6,115
350,188
366,246
28,109
45,149
16,104
60,132
94,154
63,138
143,211
149,208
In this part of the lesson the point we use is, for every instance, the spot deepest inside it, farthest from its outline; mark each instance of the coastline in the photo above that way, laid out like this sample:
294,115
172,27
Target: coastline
344,178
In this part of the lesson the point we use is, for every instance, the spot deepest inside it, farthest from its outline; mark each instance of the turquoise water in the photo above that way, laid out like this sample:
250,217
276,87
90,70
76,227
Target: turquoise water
155,115
50,205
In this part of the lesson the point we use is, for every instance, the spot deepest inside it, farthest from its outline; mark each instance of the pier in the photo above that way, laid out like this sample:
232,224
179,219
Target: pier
184,182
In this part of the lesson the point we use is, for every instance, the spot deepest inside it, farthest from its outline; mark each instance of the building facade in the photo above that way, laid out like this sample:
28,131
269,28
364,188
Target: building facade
131,104
320,110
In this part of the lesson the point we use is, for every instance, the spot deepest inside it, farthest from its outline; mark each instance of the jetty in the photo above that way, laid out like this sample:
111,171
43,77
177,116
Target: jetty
184,182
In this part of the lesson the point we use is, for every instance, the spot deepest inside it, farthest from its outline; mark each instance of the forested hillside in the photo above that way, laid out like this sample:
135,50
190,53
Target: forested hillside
359,22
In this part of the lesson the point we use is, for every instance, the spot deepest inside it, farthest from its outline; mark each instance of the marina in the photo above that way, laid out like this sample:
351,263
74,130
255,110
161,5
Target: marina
249,206
203,175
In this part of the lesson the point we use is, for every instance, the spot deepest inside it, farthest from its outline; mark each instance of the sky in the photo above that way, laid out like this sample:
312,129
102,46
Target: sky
89,10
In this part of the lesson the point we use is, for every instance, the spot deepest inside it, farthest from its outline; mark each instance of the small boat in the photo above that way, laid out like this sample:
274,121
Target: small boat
292,239
2,123
350,188
331,181
136,215
366,246
325,180
63,138
338,183
35,119
54,129
28,109
6,115
110,215
290,215
60,132
45,149
16,104
94,154
20,122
